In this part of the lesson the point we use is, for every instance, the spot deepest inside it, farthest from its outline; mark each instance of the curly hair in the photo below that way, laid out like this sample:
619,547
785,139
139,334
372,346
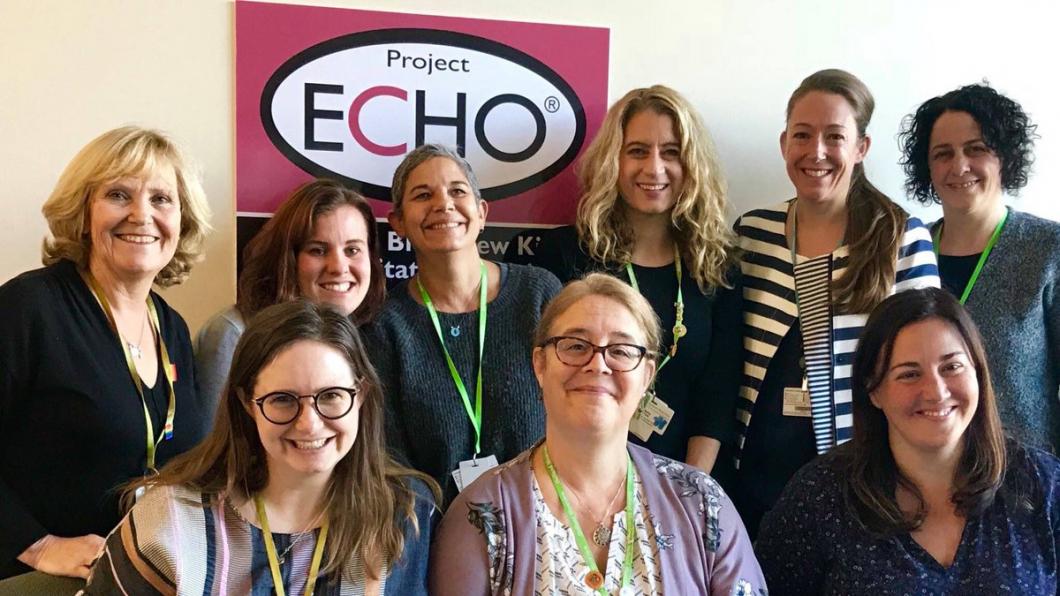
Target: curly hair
698,216
125,151
1006,130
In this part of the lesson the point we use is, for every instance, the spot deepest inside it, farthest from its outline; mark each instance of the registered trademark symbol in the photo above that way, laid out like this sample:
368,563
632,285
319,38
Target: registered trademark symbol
552,104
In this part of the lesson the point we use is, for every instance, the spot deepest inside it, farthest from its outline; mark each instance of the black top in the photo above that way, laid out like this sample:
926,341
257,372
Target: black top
701,382
71,422
956,271
776,446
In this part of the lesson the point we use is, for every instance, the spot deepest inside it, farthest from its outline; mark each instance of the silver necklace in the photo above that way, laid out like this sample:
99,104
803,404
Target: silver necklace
601,534
134,349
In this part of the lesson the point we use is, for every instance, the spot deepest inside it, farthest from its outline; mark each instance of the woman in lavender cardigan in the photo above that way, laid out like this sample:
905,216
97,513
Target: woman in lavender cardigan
583,511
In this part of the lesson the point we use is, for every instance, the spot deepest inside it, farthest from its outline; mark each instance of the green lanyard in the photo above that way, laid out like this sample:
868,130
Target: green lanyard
982,258
474,414
274,562
679,329
168,370
595,579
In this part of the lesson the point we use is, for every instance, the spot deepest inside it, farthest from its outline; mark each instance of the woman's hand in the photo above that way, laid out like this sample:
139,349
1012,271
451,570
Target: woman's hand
70,557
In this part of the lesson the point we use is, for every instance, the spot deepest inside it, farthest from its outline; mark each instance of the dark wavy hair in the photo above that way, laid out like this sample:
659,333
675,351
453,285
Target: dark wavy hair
870,472
1006,128
270,259
875,224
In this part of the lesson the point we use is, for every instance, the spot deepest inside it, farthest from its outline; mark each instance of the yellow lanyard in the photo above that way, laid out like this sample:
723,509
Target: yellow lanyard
167,369
274,561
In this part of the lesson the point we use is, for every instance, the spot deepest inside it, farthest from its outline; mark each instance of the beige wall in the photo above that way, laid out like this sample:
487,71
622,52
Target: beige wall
74,69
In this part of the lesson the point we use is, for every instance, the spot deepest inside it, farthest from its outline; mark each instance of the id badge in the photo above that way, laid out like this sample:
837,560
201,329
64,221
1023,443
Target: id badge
653,416
471,469
797,402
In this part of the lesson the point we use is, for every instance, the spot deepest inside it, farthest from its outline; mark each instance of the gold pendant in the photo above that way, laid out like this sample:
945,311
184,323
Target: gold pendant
595,580
680,331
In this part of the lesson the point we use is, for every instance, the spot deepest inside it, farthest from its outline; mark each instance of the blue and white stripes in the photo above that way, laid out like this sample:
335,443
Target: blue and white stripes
830,339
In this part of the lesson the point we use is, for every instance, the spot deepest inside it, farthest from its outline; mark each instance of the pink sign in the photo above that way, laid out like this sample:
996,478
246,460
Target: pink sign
328,92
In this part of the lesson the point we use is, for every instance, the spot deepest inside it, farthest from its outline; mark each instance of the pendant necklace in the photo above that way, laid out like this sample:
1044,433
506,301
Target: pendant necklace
602,533
134,349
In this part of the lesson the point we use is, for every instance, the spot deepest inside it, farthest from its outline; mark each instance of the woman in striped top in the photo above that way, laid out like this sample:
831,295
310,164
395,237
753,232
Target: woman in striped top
813,266
291,491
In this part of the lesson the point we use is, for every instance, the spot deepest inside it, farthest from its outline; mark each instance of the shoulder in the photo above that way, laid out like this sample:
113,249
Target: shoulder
31,288
170,319
225,325
764,217
1034,228
534,278
819,482
916,232
657,468
421,492
1039,464
397,309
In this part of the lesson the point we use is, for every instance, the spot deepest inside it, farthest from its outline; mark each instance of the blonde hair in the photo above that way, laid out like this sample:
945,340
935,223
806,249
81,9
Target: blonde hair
125,151
606,286
698,216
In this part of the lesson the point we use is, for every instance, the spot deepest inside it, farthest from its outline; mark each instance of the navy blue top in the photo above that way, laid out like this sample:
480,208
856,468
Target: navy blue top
810,543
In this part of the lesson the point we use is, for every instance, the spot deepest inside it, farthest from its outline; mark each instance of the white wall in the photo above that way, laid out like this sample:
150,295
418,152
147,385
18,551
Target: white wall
74,69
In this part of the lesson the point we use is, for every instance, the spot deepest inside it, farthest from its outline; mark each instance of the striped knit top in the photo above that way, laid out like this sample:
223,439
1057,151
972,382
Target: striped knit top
178,541
770,309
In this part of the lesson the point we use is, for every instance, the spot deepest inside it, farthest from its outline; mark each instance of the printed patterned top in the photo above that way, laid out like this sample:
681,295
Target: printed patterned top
561,569
811,542
488,541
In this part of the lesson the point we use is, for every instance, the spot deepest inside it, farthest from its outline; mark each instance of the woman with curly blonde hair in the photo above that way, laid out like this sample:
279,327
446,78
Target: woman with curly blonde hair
652,212
97,379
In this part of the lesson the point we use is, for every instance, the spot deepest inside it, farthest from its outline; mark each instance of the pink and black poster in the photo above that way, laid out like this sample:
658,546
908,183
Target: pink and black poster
345,94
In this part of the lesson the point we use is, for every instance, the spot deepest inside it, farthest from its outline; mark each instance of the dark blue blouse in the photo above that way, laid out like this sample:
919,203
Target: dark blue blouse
810,543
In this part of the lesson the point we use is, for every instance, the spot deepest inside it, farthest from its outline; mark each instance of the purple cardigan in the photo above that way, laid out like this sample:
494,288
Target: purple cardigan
487,542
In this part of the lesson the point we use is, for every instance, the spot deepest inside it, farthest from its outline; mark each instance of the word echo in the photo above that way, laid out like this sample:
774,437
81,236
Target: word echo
457,121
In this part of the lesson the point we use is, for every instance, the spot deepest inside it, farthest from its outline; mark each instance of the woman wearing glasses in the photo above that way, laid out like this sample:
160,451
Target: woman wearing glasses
292,489
584,511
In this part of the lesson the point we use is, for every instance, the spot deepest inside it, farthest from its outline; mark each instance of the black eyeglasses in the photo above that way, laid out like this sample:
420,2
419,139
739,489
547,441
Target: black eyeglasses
283,407
575,351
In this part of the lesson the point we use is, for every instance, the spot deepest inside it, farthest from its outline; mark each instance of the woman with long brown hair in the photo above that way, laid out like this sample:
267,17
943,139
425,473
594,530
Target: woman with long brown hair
812,267
928,496
291,489
320,245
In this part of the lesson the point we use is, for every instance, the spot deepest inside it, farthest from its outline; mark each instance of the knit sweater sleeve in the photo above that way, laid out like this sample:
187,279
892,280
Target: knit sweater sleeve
380,344
214,348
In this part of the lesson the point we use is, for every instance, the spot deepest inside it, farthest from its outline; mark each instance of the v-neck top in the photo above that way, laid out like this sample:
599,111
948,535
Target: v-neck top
811,543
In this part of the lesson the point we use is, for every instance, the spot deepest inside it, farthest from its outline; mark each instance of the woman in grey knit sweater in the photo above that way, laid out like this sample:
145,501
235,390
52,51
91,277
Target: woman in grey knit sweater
452,345
963,150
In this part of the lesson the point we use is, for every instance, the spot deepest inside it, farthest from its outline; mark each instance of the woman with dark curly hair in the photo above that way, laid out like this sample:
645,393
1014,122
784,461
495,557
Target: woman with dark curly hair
963,150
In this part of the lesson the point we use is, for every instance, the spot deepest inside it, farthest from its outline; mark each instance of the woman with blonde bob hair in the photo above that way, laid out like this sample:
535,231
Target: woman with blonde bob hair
652,212
584,511
291,489
97,381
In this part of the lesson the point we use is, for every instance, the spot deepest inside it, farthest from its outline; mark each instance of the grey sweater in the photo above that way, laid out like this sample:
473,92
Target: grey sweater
426,424
1016,305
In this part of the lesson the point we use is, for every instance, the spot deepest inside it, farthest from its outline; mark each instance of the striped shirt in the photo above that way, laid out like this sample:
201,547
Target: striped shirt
177,541
829,339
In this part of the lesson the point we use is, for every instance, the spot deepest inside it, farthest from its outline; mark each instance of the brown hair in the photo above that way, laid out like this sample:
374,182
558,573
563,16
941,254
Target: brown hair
270,259
871,473
875,224
698,216
601,284
367,493
125,151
